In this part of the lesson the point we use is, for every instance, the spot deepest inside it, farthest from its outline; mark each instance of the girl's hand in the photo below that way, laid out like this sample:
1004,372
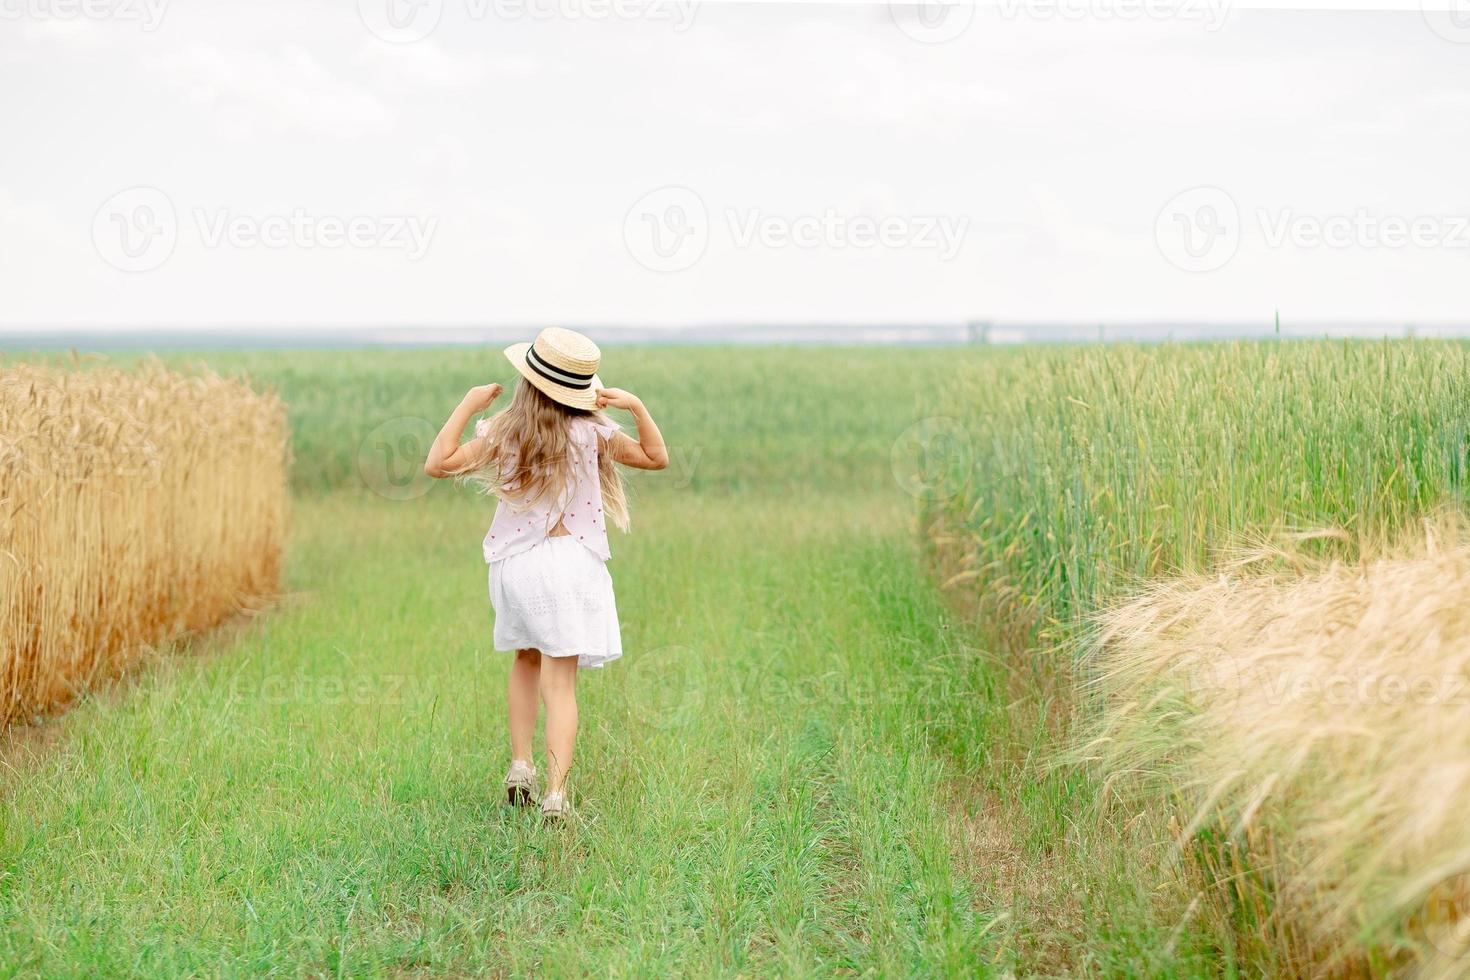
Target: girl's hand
479,398
616,398
648,451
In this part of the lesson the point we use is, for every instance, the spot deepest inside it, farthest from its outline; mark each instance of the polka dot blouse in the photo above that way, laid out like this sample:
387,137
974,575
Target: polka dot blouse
516,529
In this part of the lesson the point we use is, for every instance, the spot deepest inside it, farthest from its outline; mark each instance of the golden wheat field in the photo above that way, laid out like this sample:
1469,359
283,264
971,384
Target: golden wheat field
1318,711
134,506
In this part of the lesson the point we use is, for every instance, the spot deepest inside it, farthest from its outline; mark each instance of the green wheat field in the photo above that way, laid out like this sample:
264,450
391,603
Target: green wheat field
839,743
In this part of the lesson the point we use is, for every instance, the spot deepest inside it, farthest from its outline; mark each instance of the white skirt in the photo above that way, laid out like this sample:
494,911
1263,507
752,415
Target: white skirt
557,598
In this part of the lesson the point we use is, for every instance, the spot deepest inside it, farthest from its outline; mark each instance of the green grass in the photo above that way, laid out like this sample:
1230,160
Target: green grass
807,764
325,795
1088,471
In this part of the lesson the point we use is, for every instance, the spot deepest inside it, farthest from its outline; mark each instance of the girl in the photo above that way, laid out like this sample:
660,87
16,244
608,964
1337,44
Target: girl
549,458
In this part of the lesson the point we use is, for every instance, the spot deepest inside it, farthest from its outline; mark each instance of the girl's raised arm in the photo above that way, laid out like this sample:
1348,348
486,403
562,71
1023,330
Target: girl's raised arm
647,452
446,455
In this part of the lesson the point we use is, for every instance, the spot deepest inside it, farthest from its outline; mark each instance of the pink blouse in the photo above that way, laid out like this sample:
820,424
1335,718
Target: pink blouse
516,528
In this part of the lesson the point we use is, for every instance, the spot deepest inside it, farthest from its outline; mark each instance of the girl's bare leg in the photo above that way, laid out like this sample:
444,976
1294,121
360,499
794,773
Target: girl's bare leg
525,676
559,691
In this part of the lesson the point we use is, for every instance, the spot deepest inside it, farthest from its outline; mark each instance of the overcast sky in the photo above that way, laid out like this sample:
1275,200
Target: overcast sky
471,162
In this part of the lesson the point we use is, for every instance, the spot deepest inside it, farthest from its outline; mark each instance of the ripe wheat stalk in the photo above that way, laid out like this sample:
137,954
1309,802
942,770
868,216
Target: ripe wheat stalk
134,506
1313,716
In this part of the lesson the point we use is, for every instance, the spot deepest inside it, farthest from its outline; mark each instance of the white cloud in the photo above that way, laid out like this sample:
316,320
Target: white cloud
1069,233
26,224
74,32
425,64
269,92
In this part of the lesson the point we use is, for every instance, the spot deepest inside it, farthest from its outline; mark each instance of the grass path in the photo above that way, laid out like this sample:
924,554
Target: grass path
804,766
763,783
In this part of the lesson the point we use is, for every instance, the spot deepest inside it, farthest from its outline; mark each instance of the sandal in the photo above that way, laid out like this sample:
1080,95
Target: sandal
554,806
520,783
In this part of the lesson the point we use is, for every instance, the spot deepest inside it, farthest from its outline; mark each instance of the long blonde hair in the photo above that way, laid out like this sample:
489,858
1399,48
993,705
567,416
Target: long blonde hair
528,455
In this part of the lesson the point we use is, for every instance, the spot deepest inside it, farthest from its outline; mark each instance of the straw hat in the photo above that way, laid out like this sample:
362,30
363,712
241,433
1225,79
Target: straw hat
562,364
